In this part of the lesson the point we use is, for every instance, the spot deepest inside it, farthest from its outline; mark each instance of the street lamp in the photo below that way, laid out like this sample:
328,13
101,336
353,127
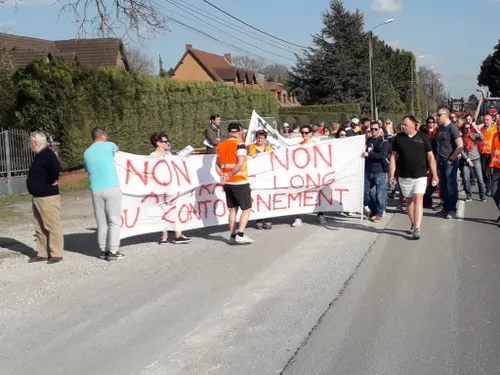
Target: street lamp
412,81
373,100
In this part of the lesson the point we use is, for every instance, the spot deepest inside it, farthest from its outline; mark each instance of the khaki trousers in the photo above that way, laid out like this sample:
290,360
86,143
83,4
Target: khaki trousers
49,237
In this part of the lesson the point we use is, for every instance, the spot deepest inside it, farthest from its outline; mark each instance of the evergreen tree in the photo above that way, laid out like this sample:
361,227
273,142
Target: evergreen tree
489,74
336,68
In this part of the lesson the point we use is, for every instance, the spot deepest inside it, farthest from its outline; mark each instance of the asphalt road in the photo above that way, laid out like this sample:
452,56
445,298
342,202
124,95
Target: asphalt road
416,307
202,308
351,298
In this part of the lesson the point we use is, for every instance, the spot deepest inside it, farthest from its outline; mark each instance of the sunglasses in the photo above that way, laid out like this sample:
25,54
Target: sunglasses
164,141
374,129
467,128
304,132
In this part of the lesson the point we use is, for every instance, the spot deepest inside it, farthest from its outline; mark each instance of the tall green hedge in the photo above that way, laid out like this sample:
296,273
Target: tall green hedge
67,101
337,108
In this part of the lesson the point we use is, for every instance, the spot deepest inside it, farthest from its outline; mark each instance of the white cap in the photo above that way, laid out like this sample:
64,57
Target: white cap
355,120
285,125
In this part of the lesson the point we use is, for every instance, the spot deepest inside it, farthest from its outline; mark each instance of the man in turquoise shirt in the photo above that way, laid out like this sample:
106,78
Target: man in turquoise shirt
106,193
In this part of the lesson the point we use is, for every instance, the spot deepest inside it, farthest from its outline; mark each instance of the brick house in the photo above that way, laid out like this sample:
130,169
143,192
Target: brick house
197,65
94,53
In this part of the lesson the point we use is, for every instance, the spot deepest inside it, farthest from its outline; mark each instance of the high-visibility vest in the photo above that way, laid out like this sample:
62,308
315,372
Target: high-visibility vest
485,146
252,149
229,152
495,154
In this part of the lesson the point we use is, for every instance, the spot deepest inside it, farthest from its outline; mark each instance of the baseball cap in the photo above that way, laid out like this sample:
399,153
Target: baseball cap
492,111
233,127
285,125
355,120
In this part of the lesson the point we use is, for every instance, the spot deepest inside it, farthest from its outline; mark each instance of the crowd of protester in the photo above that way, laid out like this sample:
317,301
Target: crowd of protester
414,159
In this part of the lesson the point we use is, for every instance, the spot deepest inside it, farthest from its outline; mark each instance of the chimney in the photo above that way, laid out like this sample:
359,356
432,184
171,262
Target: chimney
261,80
188,47
227,56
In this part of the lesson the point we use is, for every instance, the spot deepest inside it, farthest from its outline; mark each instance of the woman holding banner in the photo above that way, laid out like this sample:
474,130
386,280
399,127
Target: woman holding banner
259,147
160,142
307,131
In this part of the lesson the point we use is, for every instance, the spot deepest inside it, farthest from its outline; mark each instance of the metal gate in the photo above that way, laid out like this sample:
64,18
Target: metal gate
15,160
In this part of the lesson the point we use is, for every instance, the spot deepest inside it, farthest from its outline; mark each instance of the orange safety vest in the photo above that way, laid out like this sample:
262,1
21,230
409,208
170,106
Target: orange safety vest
228,152
252,149
485,146
495,154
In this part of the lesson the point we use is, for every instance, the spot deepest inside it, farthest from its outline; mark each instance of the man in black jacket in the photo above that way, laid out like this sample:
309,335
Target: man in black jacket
43,185
376,168
212,134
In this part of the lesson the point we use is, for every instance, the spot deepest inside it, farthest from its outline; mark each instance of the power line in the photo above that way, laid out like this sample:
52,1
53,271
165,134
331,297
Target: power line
235,37
222,21
253,27
198,31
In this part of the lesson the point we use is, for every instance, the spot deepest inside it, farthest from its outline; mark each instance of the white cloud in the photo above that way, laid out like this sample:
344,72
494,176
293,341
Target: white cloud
387,6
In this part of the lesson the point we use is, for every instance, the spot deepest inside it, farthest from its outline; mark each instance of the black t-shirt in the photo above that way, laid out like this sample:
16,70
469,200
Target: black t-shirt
445,141
412,154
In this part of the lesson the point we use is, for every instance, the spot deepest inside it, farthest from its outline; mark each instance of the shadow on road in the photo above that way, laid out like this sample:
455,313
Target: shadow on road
14,245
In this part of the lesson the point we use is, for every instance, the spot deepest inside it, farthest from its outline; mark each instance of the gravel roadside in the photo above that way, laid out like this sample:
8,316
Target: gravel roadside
176,309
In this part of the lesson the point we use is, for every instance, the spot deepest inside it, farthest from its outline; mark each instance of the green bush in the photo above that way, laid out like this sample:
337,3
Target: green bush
337,108
67,101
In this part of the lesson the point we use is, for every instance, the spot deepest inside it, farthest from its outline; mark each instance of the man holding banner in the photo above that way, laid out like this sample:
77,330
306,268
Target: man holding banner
231,165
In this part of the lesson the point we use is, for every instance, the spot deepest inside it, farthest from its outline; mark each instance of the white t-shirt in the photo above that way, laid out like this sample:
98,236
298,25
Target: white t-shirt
159,156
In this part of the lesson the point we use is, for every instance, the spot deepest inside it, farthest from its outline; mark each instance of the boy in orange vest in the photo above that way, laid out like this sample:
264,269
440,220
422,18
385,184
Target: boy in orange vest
231,165
489,132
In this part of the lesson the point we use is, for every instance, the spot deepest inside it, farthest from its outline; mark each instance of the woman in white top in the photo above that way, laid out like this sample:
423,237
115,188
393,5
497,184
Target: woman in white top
160,142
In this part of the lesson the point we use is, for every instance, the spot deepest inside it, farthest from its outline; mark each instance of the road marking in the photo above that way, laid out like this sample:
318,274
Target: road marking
461,210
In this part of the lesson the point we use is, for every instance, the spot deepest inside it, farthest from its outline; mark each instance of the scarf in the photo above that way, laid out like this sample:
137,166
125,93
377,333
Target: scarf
468,143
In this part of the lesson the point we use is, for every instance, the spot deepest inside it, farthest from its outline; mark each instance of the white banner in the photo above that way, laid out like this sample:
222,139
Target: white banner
174,194
274,138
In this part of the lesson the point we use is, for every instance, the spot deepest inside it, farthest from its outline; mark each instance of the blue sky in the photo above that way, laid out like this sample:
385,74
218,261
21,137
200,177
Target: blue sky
454,38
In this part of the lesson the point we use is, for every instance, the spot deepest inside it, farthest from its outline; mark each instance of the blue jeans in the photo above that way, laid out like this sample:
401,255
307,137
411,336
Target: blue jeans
479,174
448,185
377,201
495,186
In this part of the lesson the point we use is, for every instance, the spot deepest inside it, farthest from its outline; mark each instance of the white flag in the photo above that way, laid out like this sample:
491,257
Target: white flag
274,138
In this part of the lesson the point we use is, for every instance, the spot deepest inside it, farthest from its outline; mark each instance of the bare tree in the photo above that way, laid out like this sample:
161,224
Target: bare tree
140,62
430,83
276,73
106,17
247,63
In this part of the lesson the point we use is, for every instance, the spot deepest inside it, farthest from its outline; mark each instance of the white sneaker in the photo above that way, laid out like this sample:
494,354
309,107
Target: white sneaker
243,240
297,223
322,220
366,210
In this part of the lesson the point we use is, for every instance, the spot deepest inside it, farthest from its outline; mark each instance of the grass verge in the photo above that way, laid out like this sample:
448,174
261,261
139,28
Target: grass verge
10,200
